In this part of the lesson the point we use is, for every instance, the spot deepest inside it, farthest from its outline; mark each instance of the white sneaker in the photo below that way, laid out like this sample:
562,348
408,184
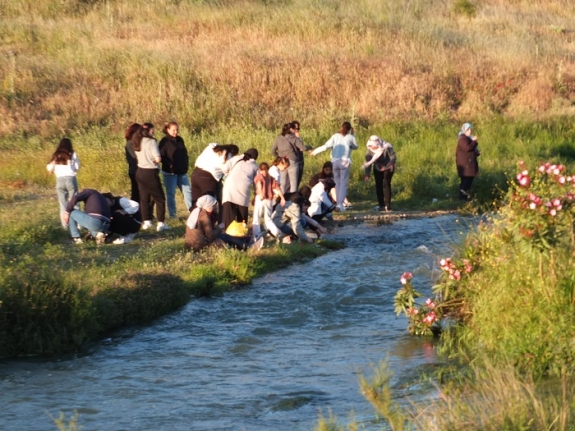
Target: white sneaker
341,208
77,240
100,238
162,226
147,224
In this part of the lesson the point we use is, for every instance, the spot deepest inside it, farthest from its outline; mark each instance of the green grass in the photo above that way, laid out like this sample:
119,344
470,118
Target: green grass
55,295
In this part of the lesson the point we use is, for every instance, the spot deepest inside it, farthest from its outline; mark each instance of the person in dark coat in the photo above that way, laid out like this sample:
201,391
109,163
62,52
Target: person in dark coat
466,160
95,218
175,165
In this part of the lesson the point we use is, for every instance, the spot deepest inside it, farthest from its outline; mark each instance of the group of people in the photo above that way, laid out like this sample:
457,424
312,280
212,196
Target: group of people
219,193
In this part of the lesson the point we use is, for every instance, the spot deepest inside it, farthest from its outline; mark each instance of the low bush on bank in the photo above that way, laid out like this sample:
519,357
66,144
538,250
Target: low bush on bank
512,292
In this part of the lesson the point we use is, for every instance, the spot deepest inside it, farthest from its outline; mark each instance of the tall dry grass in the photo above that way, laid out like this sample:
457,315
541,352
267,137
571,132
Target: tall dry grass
78,64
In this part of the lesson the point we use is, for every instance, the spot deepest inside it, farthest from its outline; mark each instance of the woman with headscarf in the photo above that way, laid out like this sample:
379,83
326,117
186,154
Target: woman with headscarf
202,230
241,171
381,155
466,160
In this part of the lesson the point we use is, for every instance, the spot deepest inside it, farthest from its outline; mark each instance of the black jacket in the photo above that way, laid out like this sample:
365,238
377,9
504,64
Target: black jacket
174,155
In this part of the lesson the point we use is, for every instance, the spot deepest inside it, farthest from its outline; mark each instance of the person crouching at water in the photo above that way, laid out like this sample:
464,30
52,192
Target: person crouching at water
202,229
96,216
320,203
241,171
126,218
267,191
381,155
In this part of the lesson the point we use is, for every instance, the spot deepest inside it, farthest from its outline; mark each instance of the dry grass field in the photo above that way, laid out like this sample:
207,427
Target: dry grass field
71,65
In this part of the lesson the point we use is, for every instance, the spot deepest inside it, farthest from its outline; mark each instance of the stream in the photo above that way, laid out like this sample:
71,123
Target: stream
269,356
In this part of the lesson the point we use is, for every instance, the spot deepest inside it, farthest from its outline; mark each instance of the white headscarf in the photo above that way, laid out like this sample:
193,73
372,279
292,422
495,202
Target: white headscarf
205,202
464,129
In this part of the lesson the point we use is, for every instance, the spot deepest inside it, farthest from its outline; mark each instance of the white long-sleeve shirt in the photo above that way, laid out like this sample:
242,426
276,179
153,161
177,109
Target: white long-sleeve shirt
68,170
341,146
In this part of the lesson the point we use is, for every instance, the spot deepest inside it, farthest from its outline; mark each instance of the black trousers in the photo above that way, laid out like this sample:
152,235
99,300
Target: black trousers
465,187
150,187
135,193
231,212
383,187
203,183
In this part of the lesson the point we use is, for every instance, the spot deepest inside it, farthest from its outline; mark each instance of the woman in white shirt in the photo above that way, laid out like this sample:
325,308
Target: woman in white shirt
64,164
341,144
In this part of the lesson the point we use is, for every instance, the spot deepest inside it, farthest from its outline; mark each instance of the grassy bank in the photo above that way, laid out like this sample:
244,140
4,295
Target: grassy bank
54,295
425,151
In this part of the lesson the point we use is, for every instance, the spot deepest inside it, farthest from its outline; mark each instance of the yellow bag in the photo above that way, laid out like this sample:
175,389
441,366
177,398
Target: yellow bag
237,228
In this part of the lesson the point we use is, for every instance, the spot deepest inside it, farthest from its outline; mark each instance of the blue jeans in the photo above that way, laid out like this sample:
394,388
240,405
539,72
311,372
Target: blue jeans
93,224
66,187
171,181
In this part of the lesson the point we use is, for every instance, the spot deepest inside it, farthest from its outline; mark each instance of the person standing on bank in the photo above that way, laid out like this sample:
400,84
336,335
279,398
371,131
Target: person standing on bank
148,155
295,131
64,164
466,160
381,155
175,165
288,145
342,143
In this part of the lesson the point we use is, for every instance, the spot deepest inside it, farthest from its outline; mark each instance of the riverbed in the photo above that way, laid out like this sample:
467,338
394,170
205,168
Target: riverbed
269,356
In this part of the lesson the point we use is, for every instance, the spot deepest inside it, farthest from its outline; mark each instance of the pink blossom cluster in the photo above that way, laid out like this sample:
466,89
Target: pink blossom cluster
554,206
413,311
449,266
406,278
430,318
558,173
523,178
430,304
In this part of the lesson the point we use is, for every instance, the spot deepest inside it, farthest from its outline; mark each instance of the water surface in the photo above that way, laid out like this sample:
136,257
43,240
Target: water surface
266,357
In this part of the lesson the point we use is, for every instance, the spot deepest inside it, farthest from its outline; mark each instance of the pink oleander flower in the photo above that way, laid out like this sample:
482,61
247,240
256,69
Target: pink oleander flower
406,277
542,168
556,202
430,318
552,212
468,267
561,180
430,303
456,275
412,311
533,205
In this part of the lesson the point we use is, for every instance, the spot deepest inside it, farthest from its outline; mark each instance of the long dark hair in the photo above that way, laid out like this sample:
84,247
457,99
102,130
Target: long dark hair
322,174
63,153
230,149
345,128
141,132
130,131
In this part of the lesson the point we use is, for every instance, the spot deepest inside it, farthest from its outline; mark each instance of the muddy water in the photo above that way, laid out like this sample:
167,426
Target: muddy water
267,357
